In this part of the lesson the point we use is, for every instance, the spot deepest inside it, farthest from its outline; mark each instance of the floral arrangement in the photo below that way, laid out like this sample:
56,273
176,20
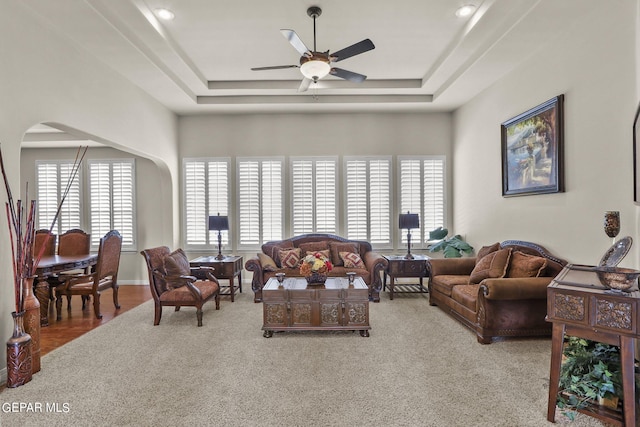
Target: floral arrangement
22,227
315,263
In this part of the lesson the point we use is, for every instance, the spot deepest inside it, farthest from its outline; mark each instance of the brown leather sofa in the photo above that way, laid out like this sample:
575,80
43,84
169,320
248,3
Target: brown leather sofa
373,262
503,296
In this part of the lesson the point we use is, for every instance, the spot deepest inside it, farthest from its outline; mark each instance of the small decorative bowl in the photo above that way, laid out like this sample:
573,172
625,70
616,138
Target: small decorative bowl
617,278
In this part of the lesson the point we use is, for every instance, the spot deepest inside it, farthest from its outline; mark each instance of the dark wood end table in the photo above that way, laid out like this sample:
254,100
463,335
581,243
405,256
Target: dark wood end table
227,268
399,266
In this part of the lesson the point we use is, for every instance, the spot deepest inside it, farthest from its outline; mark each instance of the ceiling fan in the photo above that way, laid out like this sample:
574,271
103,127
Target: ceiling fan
315,65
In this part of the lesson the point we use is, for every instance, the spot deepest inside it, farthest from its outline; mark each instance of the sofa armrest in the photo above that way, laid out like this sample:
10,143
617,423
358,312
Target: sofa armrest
375,264
515,288
254,264
451,266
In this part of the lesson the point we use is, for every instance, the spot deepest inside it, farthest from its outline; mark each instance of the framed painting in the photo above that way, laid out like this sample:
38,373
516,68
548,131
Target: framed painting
532,151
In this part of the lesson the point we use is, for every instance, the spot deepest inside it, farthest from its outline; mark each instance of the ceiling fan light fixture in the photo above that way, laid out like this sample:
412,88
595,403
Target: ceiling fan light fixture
315,69
465,10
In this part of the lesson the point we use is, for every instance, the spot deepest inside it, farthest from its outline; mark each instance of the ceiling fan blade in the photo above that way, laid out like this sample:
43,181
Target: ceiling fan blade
354,49
295,41
348,75
275,67
304,85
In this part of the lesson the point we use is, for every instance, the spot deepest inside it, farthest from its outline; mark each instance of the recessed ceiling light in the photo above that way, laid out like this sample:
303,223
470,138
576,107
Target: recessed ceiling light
165,14
465,10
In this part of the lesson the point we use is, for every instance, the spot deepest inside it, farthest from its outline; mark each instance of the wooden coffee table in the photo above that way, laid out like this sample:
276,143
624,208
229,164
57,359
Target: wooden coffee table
334,306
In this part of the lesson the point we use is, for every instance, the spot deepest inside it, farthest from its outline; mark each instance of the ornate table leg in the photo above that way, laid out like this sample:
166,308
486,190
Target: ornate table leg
364,333
267,334
42,293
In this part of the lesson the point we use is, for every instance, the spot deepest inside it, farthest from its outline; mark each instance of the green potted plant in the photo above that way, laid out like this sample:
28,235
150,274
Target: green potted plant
452,247
590,373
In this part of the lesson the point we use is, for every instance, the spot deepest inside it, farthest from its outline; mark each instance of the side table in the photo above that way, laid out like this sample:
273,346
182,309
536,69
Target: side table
227,268
399,266
579,306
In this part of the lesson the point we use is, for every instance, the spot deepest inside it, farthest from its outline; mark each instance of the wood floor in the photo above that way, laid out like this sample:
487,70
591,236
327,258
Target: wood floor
78,322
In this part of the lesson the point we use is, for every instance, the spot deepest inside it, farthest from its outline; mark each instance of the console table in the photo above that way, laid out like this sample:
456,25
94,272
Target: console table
579,306
296,306
399,266
227,268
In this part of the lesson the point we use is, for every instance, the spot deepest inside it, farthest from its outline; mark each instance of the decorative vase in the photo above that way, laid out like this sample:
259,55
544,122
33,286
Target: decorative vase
32,321
612,223
19,369
316,278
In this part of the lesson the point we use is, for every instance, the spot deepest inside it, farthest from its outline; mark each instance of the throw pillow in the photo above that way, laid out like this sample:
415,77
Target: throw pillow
486,250
324,253
273,250
351,260
176,264
268,264
525,265
491,266
337,247
290,257
313,246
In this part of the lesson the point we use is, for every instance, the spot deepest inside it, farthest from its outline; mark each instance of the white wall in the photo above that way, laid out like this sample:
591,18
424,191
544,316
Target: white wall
594,65
44,78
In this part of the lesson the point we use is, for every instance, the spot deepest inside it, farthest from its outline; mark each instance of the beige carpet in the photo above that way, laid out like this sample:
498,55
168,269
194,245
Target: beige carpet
418,368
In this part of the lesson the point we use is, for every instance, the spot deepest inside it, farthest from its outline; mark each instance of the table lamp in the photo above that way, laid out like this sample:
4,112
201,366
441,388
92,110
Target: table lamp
219,223
408,221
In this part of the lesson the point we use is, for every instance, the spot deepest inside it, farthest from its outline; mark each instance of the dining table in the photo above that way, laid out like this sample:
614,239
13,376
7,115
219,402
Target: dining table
50,266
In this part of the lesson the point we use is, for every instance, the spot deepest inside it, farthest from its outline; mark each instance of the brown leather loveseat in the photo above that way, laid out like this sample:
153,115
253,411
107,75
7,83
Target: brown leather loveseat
267,263
500,293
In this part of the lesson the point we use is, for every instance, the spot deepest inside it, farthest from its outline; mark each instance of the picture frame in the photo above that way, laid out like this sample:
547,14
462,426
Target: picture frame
532,150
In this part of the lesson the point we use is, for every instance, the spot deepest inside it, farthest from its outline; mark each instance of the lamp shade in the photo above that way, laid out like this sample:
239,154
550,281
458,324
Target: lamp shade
218,223
408,221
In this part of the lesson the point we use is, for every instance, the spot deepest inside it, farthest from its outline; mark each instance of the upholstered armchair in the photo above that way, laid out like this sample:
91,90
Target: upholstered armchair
174,283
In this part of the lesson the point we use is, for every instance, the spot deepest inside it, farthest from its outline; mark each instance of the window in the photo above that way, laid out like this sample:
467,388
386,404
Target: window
111,196
422,190
313,195
206,193
51,181
368,199
260,200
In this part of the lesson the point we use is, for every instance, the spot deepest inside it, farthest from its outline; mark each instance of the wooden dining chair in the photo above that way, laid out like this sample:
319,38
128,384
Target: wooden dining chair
74,242
45,238
174,283
104,276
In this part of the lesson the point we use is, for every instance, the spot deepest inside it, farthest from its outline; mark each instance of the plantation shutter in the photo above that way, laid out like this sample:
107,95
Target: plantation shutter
422,191
123,202
368,200
206,193
218,203
434,198
271,200
195,203
313,196
112,199
51,181
260,201
411,194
